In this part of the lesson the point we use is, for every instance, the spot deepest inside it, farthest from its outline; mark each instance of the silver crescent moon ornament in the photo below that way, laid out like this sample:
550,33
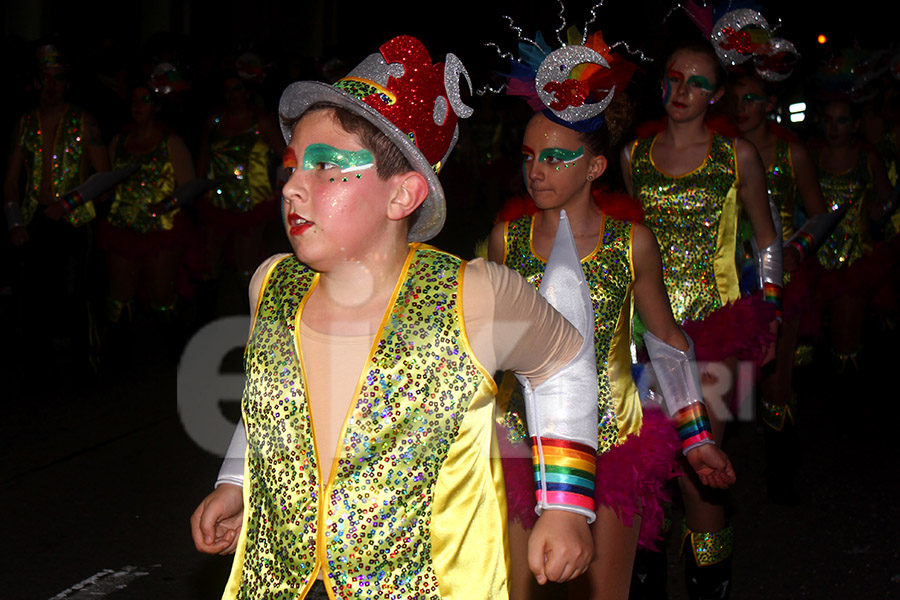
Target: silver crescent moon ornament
733,32
556,68
777,46
453,68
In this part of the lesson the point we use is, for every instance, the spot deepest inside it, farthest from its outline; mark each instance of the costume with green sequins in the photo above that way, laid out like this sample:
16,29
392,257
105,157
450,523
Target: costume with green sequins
629,475
695,219
414,460
608,271
782,186
369,528
241,164
853,189
153,182
67,167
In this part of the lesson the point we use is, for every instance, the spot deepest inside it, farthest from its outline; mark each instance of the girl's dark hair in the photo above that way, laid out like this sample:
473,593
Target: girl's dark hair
389,161
604,139
700,46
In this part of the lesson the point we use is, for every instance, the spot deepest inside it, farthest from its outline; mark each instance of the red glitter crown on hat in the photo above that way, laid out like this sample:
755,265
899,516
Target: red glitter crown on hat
419,98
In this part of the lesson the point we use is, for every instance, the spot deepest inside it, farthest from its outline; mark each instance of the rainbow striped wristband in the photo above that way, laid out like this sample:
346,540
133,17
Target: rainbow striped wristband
72,201
569,471
804,243
692,423
772,294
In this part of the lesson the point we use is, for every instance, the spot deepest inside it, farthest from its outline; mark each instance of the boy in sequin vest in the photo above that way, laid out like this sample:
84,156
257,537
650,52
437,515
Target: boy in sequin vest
373,346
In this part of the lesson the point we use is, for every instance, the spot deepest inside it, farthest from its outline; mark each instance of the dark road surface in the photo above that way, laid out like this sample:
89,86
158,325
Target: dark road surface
98,480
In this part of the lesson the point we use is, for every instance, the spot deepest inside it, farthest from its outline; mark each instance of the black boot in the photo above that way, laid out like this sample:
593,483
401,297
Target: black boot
649,575
780,437
707,567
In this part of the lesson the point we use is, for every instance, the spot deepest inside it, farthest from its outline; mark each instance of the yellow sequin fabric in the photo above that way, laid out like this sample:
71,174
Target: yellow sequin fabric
852,188
415,508
241,164
782,186
67,162
709,548
609,273
695,220
153,182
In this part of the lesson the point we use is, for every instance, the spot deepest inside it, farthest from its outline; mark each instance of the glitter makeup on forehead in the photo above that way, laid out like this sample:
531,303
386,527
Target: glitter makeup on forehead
347,160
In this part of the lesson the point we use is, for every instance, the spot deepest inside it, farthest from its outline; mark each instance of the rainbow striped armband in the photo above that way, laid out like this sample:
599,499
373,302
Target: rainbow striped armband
565,477
803,242
679,381
72,200
692,422
771,275
814,231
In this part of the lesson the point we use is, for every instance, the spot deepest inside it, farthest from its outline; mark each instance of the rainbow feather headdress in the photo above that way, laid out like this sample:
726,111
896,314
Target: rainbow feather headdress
572,84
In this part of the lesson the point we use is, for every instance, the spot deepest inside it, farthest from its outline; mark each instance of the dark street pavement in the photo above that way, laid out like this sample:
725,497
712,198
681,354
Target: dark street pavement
98,479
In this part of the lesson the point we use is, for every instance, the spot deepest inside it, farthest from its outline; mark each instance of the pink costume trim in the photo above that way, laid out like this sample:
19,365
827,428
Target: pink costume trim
737,330
632,474
635,473
135,245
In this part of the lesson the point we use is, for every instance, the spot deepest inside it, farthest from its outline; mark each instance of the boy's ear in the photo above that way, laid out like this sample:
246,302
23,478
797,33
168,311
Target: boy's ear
411,191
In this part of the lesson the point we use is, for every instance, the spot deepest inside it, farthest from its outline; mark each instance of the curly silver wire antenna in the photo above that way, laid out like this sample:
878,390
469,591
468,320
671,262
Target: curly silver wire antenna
678,6
501,53
518,30
639,53
584,35
487,89
562,23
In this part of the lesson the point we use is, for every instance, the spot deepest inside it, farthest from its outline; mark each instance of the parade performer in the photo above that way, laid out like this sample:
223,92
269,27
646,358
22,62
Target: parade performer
56,146
790,174
367,417
853,179
145,231
240,145
578,93
692,182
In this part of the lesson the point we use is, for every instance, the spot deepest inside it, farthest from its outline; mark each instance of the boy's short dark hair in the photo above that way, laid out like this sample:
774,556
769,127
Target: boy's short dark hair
389,161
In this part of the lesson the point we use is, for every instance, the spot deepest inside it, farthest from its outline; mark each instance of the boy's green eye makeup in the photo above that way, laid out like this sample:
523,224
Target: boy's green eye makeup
347,161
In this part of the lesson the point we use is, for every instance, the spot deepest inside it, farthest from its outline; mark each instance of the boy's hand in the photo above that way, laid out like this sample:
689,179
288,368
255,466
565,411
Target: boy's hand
560,547
216,523
712,466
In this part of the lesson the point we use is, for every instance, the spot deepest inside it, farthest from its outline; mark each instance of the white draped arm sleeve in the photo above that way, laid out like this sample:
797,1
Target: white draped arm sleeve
562,411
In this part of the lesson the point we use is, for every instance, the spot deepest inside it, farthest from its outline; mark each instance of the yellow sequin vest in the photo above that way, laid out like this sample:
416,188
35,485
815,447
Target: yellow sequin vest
695,220
609,273
153,182
68,162
852,188
241,164
415,507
